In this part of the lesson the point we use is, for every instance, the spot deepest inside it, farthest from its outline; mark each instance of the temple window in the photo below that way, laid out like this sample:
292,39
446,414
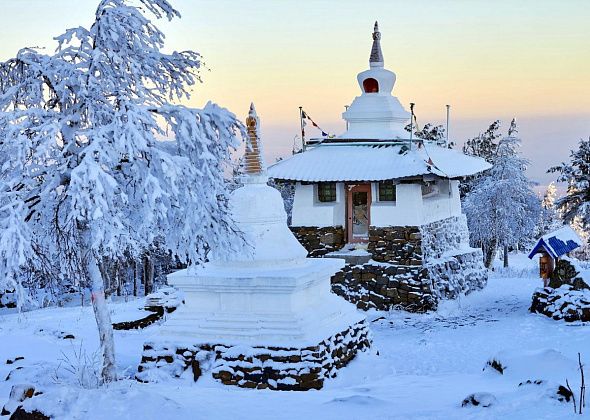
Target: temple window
326,192
371,85
386,191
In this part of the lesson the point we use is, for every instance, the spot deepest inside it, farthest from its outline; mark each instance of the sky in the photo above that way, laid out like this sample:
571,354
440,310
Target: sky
526,59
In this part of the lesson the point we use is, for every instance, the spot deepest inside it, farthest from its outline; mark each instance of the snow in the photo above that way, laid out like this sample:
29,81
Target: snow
425,367
333,162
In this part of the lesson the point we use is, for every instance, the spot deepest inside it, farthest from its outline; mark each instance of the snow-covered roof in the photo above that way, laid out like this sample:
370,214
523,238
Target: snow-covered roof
557,243
375,162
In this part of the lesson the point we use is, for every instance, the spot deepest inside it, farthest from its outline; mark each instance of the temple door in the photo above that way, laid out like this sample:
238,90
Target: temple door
358,212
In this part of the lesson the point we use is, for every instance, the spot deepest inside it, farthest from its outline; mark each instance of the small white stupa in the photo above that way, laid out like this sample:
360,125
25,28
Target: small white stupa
376,114
267,318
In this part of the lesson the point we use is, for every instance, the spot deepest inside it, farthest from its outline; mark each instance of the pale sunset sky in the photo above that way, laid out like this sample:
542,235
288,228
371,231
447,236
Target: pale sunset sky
528,59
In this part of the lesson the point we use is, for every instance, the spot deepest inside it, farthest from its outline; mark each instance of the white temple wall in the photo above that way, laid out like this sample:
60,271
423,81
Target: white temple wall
308,211
443,205
405,211
409,209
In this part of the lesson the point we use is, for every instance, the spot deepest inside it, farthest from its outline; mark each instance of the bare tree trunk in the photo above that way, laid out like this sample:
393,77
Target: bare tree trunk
118,277
134,278
103,321
505,256
491,253
148,274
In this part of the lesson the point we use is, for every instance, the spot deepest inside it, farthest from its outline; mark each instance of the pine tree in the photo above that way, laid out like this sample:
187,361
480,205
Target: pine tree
85,176
485,146
432,133
576,173
550,219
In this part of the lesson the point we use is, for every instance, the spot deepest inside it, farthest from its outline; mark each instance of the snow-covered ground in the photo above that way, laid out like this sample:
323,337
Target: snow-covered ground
420,367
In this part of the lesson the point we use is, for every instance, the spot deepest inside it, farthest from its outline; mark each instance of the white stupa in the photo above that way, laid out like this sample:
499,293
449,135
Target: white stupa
376,114
272,297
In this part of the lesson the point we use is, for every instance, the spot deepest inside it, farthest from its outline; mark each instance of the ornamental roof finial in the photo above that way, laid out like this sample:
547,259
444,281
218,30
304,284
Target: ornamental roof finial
376,58
253,163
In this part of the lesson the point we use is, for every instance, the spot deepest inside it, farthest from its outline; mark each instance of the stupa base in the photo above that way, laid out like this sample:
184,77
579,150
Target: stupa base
260,367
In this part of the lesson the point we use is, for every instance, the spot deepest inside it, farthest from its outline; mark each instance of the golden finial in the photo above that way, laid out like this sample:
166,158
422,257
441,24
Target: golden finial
253,163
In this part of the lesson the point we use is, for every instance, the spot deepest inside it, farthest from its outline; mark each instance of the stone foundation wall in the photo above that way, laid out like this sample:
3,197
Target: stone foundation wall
318,241
399,245
459,274
414,267
276,368
444,236
453,266
385,286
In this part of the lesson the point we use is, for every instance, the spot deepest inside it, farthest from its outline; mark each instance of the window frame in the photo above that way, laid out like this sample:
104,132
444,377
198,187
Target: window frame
387,184
320,193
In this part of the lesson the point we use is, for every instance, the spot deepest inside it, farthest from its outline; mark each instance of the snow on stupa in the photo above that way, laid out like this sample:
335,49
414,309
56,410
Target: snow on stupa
265,318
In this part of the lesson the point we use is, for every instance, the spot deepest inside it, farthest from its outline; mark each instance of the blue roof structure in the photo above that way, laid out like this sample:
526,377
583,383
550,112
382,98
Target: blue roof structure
557,243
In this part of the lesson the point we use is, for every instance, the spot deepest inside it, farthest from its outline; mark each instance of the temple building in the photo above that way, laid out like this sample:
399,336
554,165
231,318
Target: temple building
387,203
263,318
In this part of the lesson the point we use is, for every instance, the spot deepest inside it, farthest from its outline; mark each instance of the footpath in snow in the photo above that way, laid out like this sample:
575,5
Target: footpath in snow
420,367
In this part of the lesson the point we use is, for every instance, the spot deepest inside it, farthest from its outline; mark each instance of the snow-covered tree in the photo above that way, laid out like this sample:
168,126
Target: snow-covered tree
502,208
432,133
85,175
485,145
549,219
576,173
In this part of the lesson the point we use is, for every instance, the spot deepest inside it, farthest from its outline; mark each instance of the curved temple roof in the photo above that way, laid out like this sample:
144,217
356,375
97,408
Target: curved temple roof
375,162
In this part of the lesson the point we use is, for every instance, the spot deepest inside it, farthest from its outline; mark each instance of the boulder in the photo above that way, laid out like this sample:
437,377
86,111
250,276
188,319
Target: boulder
482,399
18,394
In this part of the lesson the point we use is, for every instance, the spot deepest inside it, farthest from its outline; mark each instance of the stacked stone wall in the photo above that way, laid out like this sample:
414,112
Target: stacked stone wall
276,368
444,236
318,241
401,245
412,267
453,266
385,286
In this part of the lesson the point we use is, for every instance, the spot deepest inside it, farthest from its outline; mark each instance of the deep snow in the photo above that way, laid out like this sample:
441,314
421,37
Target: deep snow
420,367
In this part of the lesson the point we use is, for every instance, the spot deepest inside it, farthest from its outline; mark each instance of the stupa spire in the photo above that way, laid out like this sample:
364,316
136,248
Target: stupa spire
376,58
253,162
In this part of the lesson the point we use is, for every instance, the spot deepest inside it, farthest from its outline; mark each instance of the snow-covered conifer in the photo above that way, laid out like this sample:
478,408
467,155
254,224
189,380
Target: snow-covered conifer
550,219
502,208
485,144
85,175
576,173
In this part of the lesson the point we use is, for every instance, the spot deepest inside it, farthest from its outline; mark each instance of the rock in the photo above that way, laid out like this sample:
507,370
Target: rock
18,394
496,365
483,399
196,368
16,359
21,414
156,313
564,303
564,394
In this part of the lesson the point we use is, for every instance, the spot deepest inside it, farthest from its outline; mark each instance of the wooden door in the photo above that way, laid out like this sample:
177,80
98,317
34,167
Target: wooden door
358,212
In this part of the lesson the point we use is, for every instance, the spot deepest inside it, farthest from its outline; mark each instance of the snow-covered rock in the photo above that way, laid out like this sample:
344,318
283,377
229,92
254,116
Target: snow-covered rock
483,399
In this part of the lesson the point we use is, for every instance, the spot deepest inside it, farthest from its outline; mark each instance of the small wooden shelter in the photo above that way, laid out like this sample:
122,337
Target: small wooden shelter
552,246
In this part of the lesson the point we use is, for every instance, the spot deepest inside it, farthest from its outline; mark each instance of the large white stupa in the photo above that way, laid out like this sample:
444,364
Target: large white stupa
265,318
